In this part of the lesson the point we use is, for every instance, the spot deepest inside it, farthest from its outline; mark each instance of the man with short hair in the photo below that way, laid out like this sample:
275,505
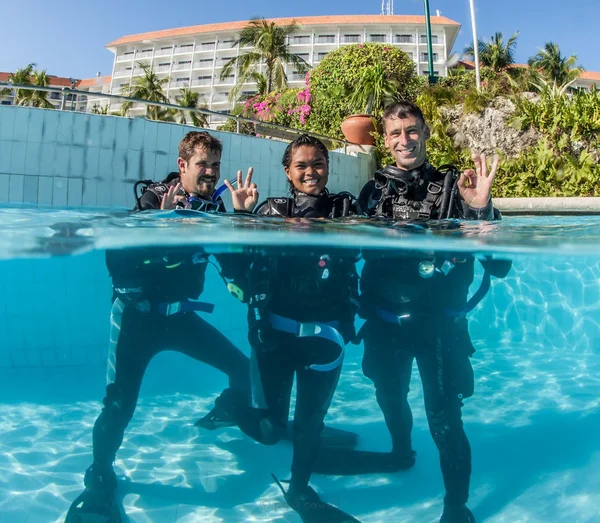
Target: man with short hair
154,309
415,303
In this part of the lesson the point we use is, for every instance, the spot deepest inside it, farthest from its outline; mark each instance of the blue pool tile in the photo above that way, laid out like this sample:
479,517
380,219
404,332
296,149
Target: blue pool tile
64,134
45,190
4,185
123,131
105,164
33,158
148,165
17,160
136,134
7,123
177,133
108,128
59,192
62,153
75,192
76,161
21,124
134,165
47,155
50,127
90,190
163,138
80,128
150,133
15,188
161,169
5,155
30,189
103,198
94,136
36,124
92,159
119,164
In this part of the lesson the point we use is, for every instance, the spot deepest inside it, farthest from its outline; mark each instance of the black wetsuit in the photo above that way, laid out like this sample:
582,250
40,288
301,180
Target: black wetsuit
151,313
415,305
309,286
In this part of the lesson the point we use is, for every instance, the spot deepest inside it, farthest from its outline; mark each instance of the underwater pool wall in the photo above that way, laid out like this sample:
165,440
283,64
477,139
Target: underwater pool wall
63,158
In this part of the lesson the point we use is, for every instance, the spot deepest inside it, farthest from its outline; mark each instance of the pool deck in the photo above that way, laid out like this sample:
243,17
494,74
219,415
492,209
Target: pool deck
553,205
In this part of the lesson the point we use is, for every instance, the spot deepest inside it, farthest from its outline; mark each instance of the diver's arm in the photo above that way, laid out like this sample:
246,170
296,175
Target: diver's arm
367,199
149,200
466,212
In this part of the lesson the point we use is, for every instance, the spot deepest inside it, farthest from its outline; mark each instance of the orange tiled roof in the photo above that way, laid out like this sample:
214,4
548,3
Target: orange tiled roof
302,20
97,80
589,75
54,81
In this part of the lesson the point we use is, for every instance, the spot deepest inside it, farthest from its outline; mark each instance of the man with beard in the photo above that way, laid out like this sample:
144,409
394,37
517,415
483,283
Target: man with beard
155,293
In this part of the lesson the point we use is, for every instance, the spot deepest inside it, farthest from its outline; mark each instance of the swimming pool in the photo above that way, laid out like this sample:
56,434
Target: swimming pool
532,422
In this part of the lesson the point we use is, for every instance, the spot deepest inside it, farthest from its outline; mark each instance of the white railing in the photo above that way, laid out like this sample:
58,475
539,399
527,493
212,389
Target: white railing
144,54
163,52
121,74
124,57
202,81
184,49
181,67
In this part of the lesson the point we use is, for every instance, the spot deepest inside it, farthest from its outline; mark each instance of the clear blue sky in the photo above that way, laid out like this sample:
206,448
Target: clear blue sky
68,39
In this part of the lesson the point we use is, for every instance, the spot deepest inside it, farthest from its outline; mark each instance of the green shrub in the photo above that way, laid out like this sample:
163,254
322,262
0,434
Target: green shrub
340,72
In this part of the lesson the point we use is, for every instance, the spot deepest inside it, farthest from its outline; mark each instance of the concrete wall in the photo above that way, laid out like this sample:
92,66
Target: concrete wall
69,159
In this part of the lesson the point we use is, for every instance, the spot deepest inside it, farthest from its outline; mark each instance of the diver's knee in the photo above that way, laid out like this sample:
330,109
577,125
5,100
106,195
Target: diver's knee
270,432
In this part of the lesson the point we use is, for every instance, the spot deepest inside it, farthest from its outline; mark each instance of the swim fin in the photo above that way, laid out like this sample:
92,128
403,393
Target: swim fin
348,462
94,506
311,508
330,437
219,417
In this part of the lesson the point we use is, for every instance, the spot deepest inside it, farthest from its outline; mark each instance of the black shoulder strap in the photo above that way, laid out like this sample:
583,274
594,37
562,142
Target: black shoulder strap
279,207
342,204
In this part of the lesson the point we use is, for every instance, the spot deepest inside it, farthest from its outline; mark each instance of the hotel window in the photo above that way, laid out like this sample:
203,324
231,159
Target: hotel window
378,38
304,56
207,46
326,39
295,40
351,39
404,39
434,39
320,56
425,57
185,47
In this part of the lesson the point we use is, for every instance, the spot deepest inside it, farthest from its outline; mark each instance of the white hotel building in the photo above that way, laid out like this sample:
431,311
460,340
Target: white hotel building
194,56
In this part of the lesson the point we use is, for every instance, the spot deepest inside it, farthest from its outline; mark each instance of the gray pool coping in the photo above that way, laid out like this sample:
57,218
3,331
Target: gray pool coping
554,206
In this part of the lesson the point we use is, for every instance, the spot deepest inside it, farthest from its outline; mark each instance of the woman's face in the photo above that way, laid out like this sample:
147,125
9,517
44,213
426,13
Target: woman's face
308,171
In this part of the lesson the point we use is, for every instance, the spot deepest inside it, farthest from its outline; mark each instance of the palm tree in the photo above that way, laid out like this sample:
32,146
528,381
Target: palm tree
21,77
146,87
551,63
189,98
495,54
40,98
271,48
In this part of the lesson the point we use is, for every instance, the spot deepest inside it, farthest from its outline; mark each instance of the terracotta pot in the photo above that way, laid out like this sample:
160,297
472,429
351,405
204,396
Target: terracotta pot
357,128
